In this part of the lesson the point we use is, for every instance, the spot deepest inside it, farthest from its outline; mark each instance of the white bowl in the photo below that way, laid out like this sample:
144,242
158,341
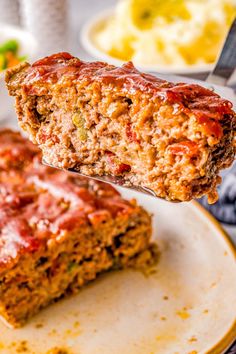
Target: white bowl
27,47
87,40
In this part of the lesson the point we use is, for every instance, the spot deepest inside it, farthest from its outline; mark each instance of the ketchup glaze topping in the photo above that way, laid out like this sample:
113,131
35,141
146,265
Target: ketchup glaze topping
39,203
208,107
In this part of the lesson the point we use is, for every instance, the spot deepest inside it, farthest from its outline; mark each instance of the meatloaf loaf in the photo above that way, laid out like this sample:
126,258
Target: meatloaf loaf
58,231
102,120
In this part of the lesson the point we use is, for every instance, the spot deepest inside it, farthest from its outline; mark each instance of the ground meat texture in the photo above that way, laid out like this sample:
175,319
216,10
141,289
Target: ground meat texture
59,231
104,120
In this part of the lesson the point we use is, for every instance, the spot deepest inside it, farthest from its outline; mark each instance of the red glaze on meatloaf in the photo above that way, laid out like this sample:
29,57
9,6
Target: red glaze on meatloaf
104,120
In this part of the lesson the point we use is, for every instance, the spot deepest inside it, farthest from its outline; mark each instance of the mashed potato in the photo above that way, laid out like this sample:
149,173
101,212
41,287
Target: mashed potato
167,32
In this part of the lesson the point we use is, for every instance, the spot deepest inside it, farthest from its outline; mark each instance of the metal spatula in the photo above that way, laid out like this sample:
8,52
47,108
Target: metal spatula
226,64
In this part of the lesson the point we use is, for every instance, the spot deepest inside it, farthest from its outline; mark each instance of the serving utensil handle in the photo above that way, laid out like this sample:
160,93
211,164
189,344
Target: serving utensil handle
226,63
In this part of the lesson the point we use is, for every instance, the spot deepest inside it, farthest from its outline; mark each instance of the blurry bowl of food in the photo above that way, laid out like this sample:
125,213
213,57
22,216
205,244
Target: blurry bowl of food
171,36
16,45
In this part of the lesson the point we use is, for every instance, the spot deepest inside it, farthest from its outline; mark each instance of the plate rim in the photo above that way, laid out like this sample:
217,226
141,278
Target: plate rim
230,336
93,50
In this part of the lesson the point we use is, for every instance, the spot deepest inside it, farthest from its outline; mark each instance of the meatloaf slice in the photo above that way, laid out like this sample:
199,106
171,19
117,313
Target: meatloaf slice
103,120
59,231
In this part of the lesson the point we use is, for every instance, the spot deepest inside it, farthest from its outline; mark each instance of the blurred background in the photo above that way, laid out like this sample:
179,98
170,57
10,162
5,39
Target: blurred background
165,37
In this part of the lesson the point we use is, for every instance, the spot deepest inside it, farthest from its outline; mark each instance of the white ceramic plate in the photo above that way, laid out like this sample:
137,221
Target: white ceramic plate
186,306
97,22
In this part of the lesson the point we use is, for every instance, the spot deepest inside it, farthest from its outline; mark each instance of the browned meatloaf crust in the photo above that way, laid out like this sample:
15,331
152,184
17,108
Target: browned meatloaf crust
103,120
58,231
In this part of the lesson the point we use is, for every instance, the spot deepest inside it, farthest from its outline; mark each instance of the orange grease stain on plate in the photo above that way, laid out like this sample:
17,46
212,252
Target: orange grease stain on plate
192,339
21,347
166,337
183,314
163,318
39,325
76,324
57,350
73,332
53,332
213,284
